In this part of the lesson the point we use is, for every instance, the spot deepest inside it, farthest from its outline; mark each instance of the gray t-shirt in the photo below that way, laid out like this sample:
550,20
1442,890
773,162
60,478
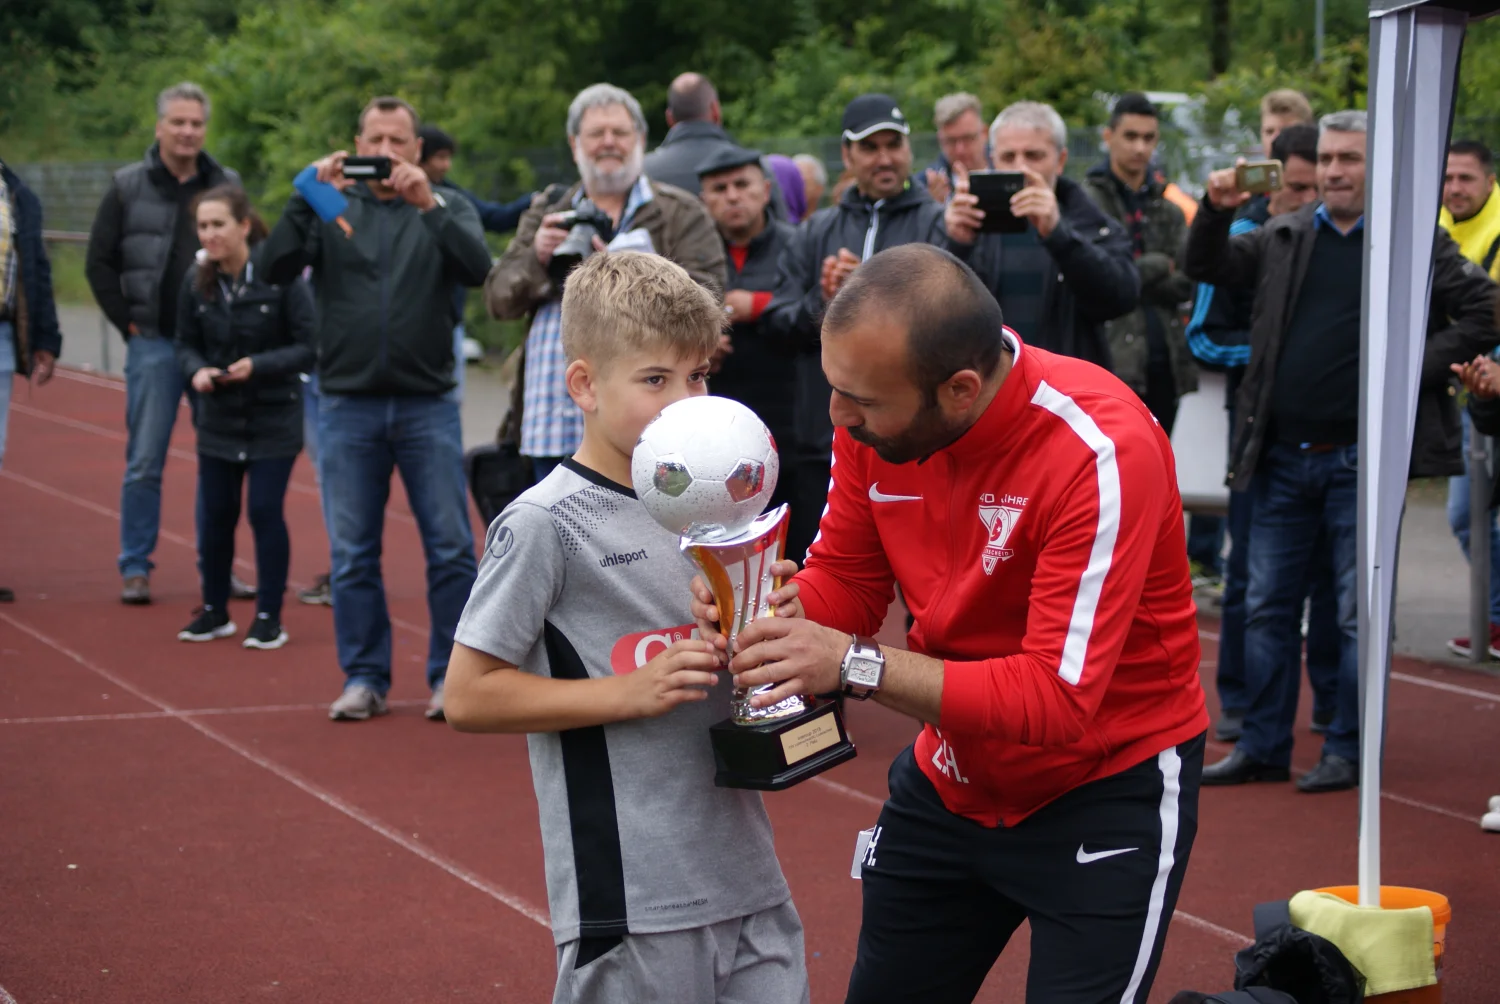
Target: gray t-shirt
578,581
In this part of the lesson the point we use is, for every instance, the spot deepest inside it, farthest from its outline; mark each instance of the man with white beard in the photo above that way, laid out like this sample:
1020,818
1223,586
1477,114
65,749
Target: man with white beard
607,133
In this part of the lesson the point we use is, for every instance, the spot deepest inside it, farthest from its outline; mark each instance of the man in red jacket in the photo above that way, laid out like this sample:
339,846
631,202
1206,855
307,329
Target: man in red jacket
1027,505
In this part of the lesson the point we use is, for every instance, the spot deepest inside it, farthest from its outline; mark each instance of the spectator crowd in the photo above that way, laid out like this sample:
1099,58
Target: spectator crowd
342,336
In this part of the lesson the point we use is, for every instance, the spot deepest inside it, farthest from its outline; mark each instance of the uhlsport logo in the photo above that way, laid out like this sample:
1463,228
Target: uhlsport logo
999,518
619,560
635,650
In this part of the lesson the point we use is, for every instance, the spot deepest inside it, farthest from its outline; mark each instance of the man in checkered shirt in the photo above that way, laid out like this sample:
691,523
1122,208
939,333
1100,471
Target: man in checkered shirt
607,132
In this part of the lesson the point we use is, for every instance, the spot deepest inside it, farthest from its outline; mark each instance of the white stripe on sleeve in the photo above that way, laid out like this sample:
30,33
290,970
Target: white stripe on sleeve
1091,584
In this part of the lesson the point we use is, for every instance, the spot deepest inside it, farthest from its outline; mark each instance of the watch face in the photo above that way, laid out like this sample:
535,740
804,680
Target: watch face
865,672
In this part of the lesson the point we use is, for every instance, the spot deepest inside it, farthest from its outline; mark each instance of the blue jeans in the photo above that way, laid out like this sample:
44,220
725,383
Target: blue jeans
1298,496
459,366
153,390
1458,519
7,376
1205,541
360,441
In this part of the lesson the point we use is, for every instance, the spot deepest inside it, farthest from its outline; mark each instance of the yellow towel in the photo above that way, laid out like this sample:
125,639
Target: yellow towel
1393,948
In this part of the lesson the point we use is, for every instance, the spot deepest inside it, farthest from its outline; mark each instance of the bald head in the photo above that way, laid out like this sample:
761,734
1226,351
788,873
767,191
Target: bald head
692,98
952,321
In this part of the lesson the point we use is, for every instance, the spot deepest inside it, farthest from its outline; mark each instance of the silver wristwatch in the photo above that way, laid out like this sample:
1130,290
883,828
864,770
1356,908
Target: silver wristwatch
862,669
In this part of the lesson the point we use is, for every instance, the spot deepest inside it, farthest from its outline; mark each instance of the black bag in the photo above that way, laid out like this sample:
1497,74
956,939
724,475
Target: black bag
1284,957
496,473
1255,995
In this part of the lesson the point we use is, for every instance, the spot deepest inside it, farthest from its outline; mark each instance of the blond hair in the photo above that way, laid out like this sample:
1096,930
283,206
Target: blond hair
1287,103
627,301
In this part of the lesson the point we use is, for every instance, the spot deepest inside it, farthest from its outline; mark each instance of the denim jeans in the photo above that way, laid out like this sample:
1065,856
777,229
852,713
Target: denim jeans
1297,496
1458,519
7,377
459,366
1205,541
221,485
153,390
361,440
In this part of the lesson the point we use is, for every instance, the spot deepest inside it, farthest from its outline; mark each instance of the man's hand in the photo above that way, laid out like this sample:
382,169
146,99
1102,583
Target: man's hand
963,217
741,304
784,601
203,380
836,268
411,183
1224,190
1481,377
331,170
239,371
42,365
937,182
801,657
548,236
1036,202
132,329
674,677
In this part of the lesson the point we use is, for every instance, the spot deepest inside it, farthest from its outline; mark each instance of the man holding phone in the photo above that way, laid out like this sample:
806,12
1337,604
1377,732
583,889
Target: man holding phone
1034,248
385,370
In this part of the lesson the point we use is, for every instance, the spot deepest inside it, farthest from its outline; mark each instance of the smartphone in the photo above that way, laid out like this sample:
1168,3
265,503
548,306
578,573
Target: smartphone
367,168
1259,177
994,189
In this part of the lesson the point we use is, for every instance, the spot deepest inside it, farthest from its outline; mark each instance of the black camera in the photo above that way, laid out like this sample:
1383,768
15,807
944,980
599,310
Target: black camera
584,224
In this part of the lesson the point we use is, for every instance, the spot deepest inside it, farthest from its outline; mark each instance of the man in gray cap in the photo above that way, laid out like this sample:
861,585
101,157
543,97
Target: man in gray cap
880,210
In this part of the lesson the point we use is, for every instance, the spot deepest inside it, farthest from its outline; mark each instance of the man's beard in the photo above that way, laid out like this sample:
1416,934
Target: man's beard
616,182
927,433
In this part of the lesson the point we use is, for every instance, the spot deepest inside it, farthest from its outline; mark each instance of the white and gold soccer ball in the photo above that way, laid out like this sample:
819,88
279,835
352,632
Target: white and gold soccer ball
705,467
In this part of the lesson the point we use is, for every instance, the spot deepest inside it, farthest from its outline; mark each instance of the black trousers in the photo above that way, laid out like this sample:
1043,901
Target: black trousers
1096,872
808,497
220,486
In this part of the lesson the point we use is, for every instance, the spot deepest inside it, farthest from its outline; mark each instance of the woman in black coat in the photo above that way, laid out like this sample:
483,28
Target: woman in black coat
243,343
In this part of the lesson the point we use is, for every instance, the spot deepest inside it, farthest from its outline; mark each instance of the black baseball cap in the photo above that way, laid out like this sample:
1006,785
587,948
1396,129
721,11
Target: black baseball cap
871,113
727,158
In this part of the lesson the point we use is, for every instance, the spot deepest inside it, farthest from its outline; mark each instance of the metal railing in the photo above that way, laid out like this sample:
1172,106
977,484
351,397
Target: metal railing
76,237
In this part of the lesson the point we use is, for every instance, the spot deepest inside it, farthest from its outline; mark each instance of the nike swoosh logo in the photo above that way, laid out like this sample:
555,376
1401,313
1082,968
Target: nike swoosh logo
1085,858
876,495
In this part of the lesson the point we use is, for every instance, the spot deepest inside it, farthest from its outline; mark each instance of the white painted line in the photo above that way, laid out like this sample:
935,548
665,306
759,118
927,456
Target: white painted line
1233,937
453,868
1472,820
1483,695
91,379
1209,635
6,998
126,716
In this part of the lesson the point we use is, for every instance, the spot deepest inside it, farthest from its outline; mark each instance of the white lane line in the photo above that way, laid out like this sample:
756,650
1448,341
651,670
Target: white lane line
1233,937
126,716
1208,635
84,377
328,798
1451,688
6,998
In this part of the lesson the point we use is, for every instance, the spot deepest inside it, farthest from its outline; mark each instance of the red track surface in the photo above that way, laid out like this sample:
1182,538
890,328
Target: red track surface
182,823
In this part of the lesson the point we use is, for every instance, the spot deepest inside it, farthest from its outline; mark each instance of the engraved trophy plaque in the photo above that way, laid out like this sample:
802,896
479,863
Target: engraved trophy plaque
705,468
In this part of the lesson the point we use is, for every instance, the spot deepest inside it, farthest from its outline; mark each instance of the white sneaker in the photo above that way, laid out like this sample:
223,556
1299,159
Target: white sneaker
356,704
1495,803
434,710
1491,822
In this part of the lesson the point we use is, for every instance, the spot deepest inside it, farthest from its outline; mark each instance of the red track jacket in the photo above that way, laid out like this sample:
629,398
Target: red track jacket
1043,557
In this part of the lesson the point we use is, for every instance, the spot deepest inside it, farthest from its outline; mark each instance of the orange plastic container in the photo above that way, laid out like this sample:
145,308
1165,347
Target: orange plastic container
1400,897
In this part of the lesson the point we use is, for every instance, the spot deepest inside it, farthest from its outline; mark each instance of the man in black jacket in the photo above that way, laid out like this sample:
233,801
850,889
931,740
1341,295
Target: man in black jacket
1297,425
1071,270
881,209
30,339
141,245
385,370
756,370
695,132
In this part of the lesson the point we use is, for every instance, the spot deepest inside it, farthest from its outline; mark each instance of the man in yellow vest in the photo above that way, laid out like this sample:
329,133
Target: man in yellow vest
1471,215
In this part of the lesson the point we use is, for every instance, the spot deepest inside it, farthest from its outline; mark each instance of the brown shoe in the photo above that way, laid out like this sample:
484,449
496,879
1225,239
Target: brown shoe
137,591
7,595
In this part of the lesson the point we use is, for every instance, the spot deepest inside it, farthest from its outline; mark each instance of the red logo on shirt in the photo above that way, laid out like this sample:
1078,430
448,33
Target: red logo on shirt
635,650
999,517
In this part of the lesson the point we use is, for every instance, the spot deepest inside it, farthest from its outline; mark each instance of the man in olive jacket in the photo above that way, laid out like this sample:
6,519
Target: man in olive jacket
607,132
385,370
1296,438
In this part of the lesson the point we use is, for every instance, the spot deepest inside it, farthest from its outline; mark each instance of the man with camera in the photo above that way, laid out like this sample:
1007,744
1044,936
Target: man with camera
1058,265
385,372
614,205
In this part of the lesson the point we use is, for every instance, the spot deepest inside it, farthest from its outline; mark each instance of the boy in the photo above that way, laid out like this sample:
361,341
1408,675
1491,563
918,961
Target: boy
661,886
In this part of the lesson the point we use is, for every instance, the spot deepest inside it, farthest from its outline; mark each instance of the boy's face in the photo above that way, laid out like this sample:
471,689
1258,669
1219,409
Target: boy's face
622,397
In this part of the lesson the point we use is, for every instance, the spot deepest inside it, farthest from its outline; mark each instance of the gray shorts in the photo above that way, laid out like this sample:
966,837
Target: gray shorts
757,959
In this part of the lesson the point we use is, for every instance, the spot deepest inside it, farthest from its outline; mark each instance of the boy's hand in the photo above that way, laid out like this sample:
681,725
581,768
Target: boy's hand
674,677
784,601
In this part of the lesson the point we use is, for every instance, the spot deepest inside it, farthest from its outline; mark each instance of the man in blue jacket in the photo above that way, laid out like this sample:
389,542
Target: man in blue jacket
29,337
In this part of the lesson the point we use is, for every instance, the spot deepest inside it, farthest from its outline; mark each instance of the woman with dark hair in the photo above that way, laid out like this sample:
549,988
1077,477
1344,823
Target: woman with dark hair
243,343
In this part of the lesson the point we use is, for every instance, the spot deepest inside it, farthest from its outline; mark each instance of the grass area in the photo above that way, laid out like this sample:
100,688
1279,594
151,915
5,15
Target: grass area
69,286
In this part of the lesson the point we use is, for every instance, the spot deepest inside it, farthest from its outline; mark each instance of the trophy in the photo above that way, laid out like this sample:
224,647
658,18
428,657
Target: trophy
704,469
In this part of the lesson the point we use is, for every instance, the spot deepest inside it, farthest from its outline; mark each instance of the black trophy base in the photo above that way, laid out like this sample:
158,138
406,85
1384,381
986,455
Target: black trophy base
780,753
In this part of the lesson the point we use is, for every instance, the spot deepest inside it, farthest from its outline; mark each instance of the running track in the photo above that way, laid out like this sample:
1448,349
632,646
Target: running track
182,823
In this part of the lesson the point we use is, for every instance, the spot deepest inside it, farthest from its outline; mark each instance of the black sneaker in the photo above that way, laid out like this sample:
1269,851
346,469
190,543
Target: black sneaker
208,625
265,632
